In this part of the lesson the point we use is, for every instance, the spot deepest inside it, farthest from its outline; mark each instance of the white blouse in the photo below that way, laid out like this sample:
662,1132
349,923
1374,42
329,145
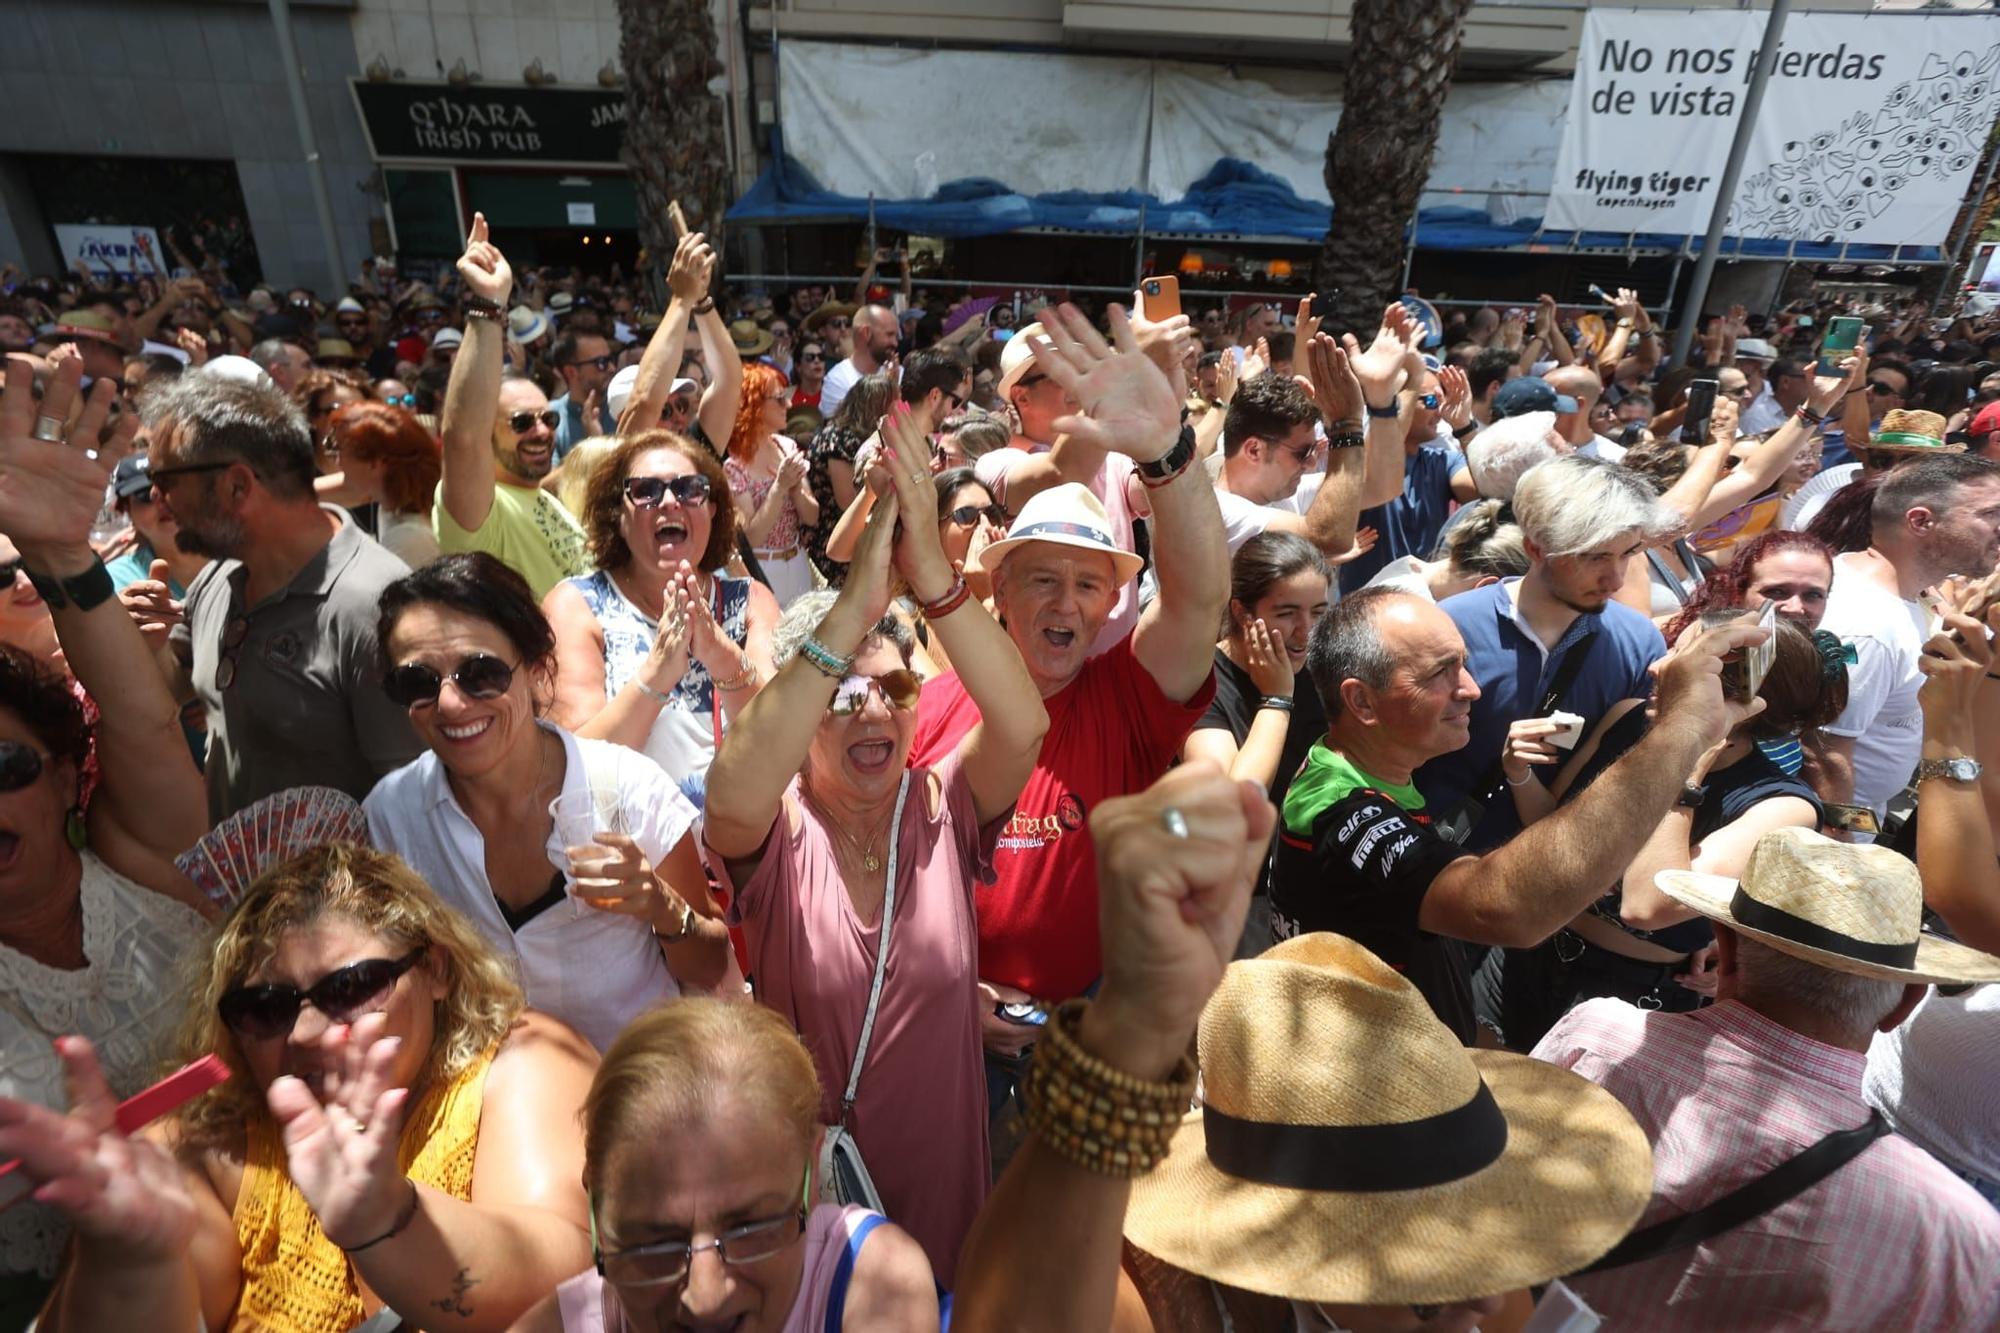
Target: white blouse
594,970
127,999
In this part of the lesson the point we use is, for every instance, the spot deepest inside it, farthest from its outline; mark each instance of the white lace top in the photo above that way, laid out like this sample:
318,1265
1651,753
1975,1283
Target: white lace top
126,999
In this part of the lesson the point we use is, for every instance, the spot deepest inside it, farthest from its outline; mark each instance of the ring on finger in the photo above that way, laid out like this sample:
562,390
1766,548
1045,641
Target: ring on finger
48,429
1176,822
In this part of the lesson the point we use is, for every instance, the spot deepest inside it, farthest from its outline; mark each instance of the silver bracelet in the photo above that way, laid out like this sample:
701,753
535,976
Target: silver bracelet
663,700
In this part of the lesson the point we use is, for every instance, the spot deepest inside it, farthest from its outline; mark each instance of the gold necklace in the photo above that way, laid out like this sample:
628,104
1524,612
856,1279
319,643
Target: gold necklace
870,861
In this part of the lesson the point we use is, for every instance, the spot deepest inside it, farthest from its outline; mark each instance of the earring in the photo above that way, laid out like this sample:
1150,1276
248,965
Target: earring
75,831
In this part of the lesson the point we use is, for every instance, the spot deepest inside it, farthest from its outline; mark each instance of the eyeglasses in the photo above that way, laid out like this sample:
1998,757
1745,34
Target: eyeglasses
20,764
1430,401
812,356
1303,455
160,474
344,994
1029,381
9,571
650,492
600,362
401,400
430,316
523,422
232,640
966,515
480,676
900,689
667,1263
836,323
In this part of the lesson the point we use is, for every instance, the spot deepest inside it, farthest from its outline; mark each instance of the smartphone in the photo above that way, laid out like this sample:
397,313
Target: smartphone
1160,298
678,218
1843,335
1758,657
1700,407
1027,1014
1322,306
1852,818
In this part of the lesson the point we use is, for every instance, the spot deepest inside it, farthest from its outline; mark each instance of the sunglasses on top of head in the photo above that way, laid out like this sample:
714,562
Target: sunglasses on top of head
343,995
651,492
900,688
480,676
523,422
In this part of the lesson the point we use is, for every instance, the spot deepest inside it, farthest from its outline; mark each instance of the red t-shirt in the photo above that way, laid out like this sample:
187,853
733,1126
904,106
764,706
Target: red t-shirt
1112,732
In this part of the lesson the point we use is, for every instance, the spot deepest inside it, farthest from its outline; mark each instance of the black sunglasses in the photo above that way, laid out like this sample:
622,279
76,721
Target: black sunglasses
601,362
20,764
812,356
523,422
161,474
263,1012
480,676
966,515
8,570
650,492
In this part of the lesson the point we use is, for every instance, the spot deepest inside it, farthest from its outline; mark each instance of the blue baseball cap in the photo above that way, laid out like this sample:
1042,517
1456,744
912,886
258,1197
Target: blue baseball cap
1530,393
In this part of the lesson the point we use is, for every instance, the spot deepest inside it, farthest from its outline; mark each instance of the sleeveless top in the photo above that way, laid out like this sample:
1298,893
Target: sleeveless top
683,737
785,532
126,999
295,1280
589,1304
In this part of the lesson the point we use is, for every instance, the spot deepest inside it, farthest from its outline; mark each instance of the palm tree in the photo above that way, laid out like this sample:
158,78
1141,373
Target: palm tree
1399,64
674,142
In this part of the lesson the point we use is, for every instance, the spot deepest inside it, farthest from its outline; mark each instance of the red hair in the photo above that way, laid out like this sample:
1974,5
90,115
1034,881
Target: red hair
1723,590
410,457
759,382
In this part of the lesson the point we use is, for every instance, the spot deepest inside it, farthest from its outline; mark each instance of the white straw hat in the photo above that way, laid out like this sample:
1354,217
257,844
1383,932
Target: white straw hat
1068,515
1017,357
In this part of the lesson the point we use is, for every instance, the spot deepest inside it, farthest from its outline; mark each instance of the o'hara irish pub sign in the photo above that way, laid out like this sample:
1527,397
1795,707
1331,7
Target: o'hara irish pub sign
439,123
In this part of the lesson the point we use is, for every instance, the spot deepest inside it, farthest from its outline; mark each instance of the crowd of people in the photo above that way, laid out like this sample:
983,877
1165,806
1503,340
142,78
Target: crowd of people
777,812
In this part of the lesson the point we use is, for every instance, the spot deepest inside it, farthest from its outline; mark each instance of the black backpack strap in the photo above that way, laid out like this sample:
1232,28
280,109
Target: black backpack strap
1782,1182
1457,826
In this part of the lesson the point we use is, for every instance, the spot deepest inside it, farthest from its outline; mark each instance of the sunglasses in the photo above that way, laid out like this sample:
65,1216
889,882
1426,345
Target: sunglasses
900,688
523,422
19,764
9,569
344,994
401,400
161,474
1430,401
480,676
966,515
600,362
1887,391
812,356
651,492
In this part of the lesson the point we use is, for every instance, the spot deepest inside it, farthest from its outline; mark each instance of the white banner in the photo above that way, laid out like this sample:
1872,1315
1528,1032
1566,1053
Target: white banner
1869,132
124,252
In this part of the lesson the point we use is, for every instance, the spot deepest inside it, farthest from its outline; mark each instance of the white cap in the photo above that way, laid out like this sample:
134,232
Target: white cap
619,392
1018,355
237,369
349,306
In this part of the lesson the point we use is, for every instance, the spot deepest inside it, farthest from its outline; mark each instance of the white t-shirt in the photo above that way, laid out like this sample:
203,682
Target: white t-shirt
1937,1079
1763,413
1598,447
1109,486
594,970
1882,714
1243,519
833,390
1806,502
1403,575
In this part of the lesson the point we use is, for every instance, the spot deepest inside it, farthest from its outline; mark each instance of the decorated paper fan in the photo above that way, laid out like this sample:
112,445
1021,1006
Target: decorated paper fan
275,829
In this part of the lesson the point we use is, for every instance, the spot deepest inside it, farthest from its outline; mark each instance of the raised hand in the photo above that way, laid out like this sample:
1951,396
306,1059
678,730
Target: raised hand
919,550
482,268
51,490
1827,390
1129,406
1305,324
868,573
666,661
1257,360
1265,658
1722,421
1384,367
1335,388
1457,389
687,277
1170,908
1226,378
125,1193
341,1146
151,605
1688,691
1954,661
1167,342
194,345
1626,304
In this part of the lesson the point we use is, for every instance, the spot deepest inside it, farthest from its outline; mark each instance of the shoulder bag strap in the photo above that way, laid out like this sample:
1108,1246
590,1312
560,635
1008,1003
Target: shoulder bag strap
881,953
1783,1182
1567,670
843,1271
1667,578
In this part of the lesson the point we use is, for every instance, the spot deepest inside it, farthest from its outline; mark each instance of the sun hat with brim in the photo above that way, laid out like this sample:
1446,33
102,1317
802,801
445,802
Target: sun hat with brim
829,310
1349,1149
335,351
560,304
1755,349
748,339
525,324
447,337
1847,907
84,324
1068,515
1910,431
1017,357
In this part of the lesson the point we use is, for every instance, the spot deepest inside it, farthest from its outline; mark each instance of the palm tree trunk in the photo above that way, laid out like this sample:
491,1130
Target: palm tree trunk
1399,65
674,141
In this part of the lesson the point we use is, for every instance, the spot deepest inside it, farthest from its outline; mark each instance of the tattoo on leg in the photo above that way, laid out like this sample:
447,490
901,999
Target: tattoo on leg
455,1304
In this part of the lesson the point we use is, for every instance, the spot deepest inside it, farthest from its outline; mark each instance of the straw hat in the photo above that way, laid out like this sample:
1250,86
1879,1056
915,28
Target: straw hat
335,352
1851,908
829,310
1068,515
748,339
525,324
1351,1151
1018,355
85,324
1907,431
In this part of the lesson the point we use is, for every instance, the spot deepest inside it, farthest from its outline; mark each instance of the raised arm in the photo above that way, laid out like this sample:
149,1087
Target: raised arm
1001,749
1548,327
1760,471
1955,850
1524,892
472,396
687,280
1382,371
717,413
1329,521
1263,748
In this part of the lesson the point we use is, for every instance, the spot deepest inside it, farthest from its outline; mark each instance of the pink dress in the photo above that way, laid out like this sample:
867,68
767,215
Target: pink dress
786,575
920,1117
588,1303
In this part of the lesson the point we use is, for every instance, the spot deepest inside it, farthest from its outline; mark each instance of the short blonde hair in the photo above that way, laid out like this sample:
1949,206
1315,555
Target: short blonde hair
381,893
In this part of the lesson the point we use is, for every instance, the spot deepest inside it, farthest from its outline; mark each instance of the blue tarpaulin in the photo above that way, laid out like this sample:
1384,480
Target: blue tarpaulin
1234,199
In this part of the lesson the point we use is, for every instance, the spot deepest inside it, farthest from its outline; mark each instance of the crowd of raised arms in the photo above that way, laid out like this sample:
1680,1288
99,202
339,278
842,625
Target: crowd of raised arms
779,813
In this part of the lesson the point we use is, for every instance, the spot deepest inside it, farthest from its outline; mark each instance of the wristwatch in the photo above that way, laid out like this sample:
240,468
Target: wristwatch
1691,797
1170,464
83,591
1957,769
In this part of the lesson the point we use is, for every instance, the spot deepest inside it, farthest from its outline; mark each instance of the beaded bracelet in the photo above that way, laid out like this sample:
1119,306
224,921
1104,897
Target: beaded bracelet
824,660
1346,439
1808,417
1100,1118
482,312
954,598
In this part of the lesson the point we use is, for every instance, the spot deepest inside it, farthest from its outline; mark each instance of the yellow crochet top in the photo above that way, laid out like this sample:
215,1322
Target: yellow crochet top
295,1280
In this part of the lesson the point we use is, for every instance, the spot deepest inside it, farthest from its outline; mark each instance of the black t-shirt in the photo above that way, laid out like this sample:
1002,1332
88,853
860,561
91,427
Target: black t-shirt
1235,707
1354,860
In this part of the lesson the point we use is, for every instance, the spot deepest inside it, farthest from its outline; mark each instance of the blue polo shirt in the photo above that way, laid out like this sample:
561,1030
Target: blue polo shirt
1410,523
573,428
1514,670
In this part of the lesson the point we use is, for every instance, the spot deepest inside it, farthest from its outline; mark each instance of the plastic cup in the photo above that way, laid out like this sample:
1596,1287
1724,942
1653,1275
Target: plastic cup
580,816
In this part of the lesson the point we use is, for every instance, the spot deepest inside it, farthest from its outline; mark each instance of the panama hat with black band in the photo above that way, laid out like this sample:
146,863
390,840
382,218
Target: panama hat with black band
1350,1151
1067,515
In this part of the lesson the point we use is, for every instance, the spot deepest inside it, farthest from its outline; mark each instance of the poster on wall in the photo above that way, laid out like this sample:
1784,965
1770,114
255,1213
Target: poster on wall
122,252
1869,132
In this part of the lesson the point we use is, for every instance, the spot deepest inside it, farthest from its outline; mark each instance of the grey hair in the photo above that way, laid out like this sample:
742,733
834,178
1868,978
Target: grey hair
802,618
1856,1004
1501,454
219,420
1571,504
1346,645
270,352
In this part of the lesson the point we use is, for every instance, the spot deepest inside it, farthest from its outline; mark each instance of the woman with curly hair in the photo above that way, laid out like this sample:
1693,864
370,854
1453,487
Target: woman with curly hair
320,394
830,469
389,460
659,646
767,478
397,1131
